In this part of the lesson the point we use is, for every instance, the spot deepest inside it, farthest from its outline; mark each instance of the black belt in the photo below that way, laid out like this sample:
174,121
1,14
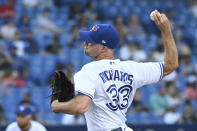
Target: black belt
117,129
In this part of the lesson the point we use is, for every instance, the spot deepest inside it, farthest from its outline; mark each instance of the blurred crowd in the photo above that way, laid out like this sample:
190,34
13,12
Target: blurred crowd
32,31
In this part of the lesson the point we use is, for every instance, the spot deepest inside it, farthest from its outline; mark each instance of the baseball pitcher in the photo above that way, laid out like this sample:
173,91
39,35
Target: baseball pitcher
104,88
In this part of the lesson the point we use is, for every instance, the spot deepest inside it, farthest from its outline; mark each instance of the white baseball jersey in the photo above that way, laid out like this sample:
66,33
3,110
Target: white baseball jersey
35,126
111,84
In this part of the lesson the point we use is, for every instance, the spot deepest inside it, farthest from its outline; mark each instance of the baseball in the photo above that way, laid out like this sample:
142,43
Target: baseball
151,15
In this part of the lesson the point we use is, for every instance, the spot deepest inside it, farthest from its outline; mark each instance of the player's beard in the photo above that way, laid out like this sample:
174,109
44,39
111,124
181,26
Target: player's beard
24,127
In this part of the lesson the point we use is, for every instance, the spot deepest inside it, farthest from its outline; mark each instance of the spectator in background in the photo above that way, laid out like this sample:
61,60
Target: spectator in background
159,102
13,79
5,60
158,53
75,11
24,75
170,12
189,115
24,121
91,11
17,61
193,8
20,45
2,42
171,116
121,28
8,30
186,67
83,20
183,47
55,47
174,100
45,25
126,52
138,106
27,101
134,27
73,38
7,10
32,45
178,37
191,90
139,54
9,77
3,119
24,24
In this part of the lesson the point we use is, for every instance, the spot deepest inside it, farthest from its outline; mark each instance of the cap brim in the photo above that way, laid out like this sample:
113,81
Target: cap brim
85,36
22,113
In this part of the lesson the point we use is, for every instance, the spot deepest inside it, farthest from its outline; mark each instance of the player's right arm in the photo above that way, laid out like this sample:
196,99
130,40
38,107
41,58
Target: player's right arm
171,55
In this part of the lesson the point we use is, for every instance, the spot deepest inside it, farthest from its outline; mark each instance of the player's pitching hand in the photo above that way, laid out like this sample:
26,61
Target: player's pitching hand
161,21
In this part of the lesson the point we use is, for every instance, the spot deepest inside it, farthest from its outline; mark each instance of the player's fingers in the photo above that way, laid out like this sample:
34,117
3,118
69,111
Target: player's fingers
155,16
158,15
164,17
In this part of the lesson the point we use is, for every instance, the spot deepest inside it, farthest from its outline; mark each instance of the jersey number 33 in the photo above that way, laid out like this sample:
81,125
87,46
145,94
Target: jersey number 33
120,97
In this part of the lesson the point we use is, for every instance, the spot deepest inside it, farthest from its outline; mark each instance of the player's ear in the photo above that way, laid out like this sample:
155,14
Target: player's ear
104,48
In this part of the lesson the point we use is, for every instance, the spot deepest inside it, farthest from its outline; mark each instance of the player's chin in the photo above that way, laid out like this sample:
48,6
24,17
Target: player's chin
21,125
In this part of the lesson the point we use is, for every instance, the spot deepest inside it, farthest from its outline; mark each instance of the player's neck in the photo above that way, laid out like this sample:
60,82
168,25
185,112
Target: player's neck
102,56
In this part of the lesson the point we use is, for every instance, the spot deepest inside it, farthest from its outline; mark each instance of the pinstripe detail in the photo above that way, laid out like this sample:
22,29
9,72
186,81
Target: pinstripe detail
161,66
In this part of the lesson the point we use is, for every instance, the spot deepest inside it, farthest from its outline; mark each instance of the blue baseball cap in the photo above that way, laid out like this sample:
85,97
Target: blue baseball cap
25,110
104,34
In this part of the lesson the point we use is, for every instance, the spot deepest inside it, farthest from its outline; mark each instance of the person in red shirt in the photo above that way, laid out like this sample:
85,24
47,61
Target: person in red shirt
7,10
13,79
191,90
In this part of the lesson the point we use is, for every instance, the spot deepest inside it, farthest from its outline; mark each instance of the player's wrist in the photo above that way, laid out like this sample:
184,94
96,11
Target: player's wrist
166,33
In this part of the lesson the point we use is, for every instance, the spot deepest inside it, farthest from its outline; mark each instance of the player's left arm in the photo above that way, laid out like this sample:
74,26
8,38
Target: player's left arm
78,105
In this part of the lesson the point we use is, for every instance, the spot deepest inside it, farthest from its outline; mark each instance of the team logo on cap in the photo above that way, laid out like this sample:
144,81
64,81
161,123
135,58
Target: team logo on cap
95,28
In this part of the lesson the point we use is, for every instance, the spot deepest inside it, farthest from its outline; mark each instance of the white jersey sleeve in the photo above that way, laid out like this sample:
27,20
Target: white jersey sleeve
85,82
146,73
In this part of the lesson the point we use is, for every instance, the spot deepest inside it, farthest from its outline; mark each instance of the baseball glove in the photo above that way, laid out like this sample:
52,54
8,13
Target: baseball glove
62,87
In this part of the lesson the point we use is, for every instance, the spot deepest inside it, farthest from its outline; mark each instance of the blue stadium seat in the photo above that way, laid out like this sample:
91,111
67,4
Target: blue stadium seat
48,67
44,40
52,118
144,118
154,118
63,39
194,104
132,118
11,116
181,108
